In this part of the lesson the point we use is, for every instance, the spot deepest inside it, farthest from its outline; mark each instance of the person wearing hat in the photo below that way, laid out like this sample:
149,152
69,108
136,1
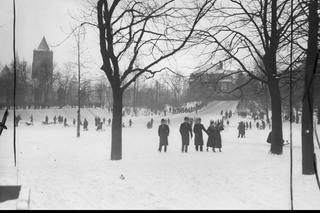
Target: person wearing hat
198,137
163,132
185,130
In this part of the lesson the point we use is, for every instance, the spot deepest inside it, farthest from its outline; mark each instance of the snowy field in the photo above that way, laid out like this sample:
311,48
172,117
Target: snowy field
66,172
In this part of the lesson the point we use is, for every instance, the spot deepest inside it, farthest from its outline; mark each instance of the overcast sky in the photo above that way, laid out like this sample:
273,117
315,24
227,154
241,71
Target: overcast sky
51,18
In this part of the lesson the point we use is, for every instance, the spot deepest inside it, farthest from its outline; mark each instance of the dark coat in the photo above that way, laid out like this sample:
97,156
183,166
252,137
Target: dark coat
185,129
163,132
210,132
217,137
198,137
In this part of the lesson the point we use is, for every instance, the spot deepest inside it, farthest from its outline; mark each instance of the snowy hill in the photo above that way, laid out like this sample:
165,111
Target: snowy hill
66,172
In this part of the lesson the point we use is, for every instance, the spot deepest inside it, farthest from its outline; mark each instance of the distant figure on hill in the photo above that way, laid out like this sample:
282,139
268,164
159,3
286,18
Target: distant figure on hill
198,136
31,119
74,122
217,142
241,129
65,122
109,121
55,119
99,126
168,121
210,132
150,124
163,132
185,130
130,123
104,120
46,121
191,122
85,125
257,125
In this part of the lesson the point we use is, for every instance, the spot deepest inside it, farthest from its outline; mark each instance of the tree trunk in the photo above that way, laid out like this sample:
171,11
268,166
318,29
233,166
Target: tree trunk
276,139
116,138
318,115
307,107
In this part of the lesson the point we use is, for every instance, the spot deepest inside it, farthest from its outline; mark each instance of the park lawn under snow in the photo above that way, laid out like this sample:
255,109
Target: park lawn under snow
66,172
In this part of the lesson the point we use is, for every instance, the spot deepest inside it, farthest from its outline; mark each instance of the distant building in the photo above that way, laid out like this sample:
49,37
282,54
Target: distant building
42,70
211,82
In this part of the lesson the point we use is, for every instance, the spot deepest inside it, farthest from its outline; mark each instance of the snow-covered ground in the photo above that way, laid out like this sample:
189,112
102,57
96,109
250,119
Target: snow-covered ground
66,172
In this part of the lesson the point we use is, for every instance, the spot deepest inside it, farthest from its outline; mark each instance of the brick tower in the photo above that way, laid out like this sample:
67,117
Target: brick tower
42,69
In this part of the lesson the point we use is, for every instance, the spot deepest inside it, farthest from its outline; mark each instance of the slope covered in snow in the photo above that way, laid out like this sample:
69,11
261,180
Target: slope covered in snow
66,172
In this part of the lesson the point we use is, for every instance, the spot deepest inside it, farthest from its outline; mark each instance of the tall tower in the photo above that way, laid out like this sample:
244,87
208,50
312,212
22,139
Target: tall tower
42,69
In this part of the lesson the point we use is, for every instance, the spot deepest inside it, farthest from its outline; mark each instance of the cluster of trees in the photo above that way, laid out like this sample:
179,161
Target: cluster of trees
62,87
257,35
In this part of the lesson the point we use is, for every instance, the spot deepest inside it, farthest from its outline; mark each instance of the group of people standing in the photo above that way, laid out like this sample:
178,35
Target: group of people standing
187,131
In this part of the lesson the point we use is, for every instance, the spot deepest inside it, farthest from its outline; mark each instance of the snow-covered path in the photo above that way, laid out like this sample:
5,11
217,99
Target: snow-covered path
65,172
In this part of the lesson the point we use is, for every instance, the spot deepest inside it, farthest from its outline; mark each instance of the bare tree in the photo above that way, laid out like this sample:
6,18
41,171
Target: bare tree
255,31
132,29
310,69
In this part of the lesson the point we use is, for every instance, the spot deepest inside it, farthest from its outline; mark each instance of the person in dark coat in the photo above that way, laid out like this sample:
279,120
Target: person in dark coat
109,121
198,137
65,122
55,119
185,129
270,138
163,132
74,122
210,132
217,143
130,123
85,125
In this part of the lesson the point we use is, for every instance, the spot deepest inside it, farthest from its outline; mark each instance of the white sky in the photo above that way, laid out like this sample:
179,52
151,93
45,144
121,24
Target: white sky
51,18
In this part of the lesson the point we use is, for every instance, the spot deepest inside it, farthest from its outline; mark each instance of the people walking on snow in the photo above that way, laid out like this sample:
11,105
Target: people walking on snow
46,120
210,132
163,132
85,125
217,142
65,122
185,130
241,129
198,136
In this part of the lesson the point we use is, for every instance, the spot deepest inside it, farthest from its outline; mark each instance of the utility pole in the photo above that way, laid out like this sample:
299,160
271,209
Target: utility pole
78,117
